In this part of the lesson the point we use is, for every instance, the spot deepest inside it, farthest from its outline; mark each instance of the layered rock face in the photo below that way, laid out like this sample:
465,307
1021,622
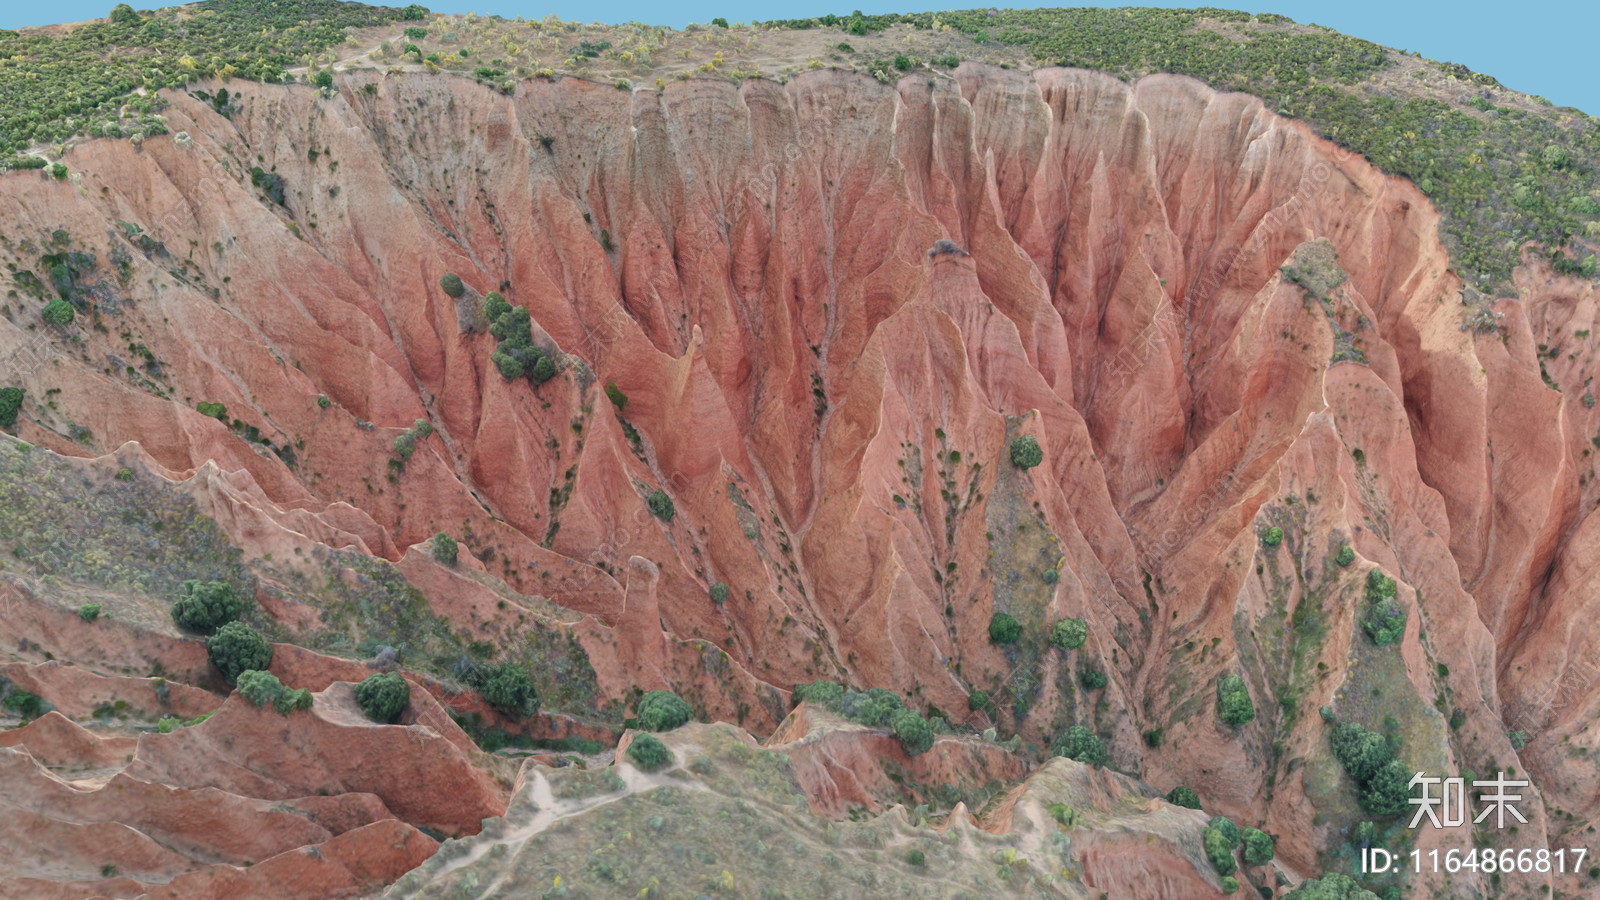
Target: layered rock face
831,305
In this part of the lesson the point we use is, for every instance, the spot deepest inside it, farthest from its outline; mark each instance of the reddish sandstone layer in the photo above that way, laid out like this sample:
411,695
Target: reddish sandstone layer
760,269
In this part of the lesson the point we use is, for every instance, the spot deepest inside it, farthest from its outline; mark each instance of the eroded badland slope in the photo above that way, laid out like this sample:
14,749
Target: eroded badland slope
830,306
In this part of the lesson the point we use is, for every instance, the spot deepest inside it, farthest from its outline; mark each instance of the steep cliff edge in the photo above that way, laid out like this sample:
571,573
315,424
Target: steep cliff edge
831,305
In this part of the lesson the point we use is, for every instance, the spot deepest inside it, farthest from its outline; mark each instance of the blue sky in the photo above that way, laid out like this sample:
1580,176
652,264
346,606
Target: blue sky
1543,48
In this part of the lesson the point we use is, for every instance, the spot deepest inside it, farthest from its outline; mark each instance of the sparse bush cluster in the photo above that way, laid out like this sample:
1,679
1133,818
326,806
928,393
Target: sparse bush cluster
874,707
1385,618
1233,701
406,443
383,696
1368,758
264,689
515,354
505,687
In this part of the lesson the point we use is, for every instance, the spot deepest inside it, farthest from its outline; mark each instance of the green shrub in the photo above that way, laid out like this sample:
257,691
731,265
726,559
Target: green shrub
1069,633
1219,850
1369,760
507,688
294,701
1093,679
89,612
323,79
422,428
1081,744
124,474
947,61
872,707
383,696
405,444
1272,537
663,711
719,593
218,411
10,405
1003,629
914,732
445,549
616,396
452,284
543,370
1230,884
1153,737
1385,618
821,692
416,34
206,606
1555,157
167,724
1050,576
1228,829
1258,846
1346,556
1389,791
1026,453
123,14
25,704
916,858
660,505
237,648
58,171
1233,701
510,367
494,306
857,26
58,312
261,688
720,22
647,752
978,701
1184,797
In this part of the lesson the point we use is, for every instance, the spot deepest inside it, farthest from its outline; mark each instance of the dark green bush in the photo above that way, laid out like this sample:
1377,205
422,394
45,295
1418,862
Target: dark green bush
978,701
445,549
1385,619
1219,850
616,396
1026,452
383,696
914,732
294,701
1389,791
857,26
323,79
10,405
948,61
1050,576
237,648
510,367
1069,633
719,593
1081,744
660,505
24,704
1184,797
123,14
1233,701
720,22
416,34
1272,537
1369,760
507,688
1003,629
1093,679
206,606
494,306
872,707
1258,846
1226,826
663,711
647,752
1346,556
543,370
261,688
916,858
89,612
1230,884
821,692
58,312
452,284
58,171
